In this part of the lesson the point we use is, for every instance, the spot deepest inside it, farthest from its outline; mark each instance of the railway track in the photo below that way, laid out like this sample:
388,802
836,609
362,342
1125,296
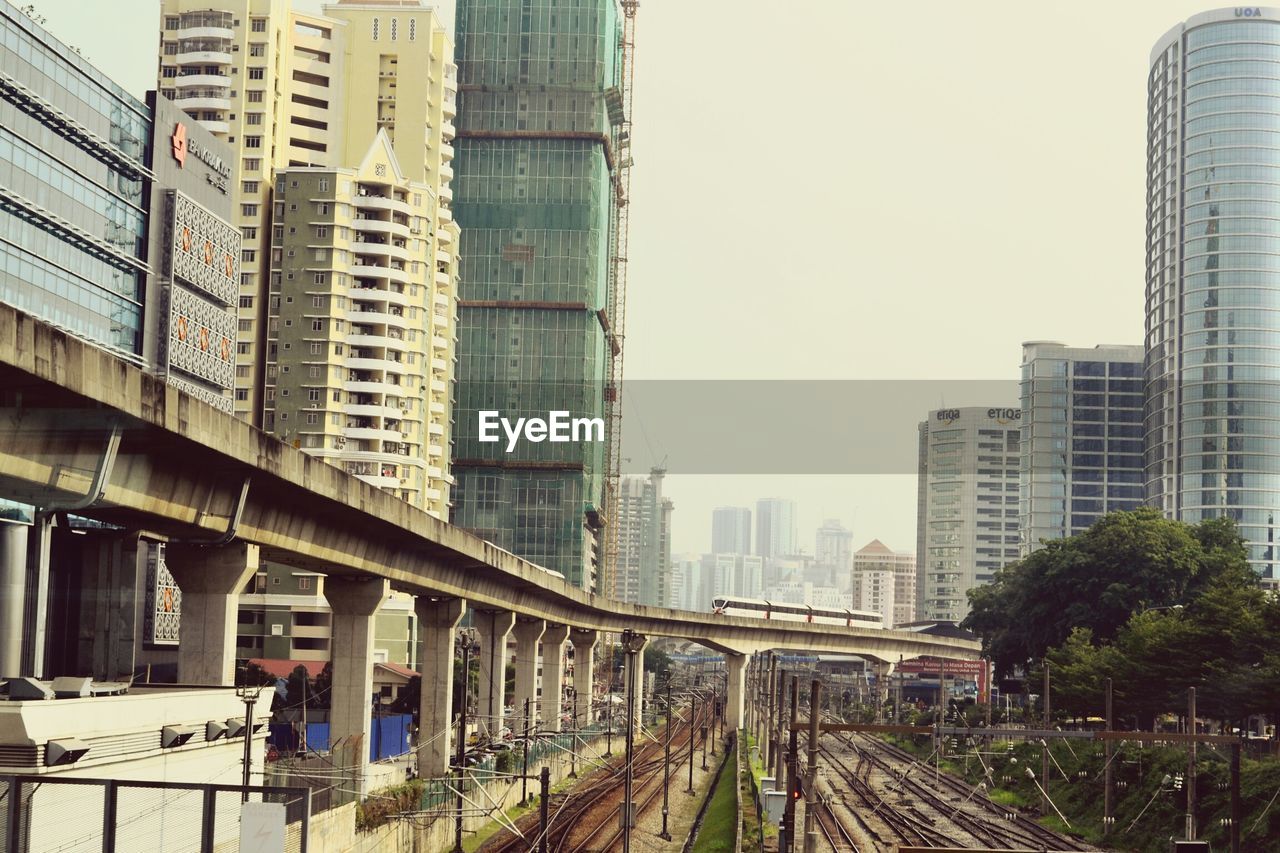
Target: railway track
922,810
585,819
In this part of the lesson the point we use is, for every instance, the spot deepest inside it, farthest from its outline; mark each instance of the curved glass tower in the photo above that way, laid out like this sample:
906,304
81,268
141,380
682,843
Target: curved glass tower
1212,416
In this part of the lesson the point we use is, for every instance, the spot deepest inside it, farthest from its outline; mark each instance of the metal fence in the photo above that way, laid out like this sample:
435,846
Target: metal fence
54,814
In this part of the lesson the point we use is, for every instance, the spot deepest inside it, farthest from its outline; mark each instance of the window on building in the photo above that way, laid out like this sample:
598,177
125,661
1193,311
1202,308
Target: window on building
248,210
169,72
249,233
246,325
253,142
304,583
171,48
324,185
258,48
322,231
257,73
313,395
314,371
317,325
249,186
252,164
246,301
254,96
258,25
319,278
248,255
317,348
253,118
171,22
317,302
312,418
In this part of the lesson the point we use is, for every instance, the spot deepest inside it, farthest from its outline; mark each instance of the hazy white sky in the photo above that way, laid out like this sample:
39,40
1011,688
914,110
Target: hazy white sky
836,189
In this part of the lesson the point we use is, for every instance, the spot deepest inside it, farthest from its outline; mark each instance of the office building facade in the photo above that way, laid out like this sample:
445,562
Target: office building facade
644,540
968,526
1081,441
535,199
776,528
731,530
1213,289
73,196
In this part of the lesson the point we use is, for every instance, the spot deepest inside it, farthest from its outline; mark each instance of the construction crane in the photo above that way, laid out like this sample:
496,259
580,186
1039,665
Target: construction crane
618,105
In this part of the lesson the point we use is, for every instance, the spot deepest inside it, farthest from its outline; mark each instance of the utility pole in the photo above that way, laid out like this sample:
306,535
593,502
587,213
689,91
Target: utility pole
811,781
524,773
573,732
465,642
544,802
781,772
771,691
1108,782
787,833
1191,764
1044,754
666,764
693,716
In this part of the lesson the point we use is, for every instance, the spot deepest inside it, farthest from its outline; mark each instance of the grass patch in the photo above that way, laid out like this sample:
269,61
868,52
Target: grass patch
719,825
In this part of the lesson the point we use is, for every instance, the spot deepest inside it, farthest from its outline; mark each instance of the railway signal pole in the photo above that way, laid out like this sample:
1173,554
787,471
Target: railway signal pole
786,834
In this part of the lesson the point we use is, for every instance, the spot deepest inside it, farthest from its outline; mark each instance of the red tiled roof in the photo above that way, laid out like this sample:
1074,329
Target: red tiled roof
398,669
285,668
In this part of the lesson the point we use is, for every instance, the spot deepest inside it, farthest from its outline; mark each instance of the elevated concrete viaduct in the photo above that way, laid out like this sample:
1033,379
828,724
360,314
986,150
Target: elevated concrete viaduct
83,431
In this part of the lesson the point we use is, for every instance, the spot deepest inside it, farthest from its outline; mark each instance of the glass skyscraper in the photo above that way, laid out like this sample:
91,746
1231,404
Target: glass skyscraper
539,99
73,217
1081,438
1213,275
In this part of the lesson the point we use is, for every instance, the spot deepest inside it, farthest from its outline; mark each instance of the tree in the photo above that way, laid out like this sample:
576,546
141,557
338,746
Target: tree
656,660
1126,563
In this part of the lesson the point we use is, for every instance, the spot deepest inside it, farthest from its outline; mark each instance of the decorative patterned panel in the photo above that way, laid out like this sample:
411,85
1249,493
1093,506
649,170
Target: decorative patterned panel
206,251
202,338
164,601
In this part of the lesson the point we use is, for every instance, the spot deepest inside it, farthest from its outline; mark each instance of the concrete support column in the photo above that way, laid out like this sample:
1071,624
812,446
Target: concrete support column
528,633
734,666
584,665
13,591
492,628
637,661
354,602
553,675
211,579
437,625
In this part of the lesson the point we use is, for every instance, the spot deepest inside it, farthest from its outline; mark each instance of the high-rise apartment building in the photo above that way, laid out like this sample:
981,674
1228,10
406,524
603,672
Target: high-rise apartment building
341,127
884,580
1213,293
1081,440
776,528
833,544
644,540
968,526
731,530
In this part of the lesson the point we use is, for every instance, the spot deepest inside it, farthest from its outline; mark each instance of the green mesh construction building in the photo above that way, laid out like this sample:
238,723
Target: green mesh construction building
534,194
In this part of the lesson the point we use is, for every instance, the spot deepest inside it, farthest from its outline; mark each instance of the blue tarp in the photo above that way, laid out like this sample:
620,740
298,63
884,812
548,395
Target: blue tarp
389,736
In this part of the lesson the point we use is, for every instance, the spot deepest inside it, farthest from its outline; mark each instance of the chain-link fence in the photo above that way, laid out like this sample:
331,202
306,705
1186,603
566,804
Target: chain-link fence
50,814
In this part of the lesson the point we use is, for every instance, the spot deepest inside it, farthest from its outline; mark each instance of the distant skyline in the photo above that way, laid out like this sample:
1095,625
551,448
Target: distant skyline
912,202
